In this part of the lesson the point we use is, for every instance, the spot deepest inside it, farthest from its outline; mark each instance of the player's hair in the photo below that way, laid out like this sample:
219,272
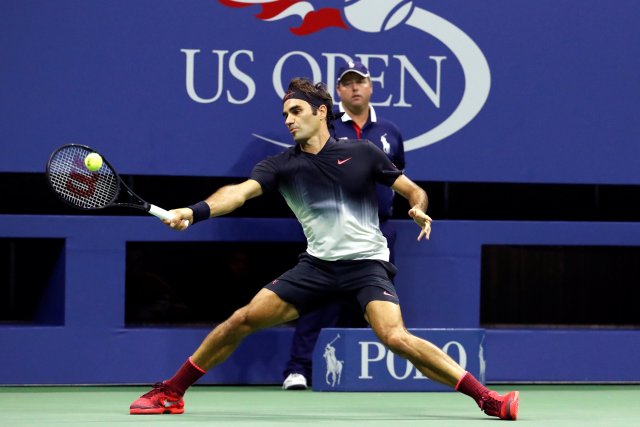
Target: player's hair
316,92
312,90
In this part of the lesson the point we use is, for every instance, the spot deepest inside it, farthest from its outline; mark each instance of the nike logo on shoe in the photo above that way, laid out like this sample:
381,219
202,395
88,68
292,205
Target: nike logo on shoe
342,162
169,403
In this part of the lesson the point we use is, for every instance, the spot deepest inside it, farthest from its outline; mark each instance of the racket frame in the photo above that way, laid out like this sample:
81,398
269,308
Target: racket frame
121,185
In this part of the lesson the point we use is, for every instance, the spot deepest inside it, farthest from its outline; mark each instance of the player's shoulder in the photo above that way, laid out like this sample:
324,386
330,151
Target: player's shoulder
285,154
278,159
353,144
362,148
344,141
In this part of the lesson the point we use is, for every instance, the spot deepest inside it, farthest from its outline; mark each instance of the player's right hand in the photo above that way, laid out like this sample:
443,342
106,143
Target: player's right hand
182,218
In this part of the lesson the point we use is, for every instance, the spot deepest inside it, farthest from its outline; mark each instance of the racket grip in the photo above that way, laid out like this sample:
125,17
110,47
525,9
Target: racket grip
160,213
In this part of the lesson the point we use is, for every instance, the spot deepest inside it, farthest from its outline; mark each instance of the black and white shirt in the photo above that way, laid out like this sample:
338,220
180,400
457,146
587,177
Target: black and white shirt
333,195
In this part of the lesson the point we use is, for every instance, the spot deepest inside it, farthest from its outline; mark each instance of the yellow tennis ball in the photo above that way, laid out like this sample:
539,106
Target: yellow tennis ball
93,162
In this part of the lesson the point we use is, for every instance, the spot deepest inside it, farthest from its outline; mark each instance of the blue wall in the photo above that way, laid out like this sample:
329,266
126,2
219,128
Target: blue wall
531,91
492,90
438,283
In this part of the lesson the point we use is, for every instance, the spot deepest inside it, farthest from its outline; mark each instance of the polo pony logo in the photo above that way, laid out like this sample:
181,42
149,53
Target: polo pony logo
334,366
386,147
376,16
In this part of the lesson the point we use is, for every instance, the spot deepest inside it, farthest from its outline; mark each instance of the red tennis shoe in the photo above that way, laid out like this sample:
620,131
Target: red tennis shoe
160,400
505,407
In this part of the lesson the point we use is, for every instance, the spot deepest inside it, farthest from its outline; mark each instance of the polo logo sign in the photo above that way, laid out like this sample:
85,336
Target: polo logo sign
355,360
334,366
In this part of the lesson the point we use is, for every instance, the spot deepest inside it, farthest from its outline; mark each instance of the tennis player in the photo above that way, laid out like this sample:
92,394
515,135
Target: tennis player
330,186
359,121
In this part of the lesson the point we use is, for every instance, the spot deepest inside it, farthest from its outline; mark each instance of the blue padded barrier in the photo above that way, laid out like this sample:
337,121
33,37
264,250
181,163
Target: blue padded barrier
438,284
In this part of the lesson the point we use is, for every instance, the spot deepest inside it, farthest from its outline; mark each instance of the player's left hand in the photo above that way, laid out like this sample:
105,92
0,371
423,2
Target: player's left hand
423,220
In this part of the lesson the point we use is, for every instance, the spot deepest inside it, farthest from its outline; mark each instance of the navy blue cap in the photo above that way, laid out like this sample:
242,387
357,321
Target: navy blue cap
353,67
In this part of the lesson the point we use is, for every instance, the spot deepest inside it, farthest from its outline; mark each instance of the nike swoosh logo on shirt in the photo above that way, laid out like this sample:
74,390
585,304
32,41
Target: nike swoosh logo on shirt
342,162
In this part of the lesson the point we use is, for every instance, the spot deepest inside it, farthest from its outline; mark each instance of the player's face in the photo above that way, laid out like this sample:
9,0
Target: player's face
355,91
300,120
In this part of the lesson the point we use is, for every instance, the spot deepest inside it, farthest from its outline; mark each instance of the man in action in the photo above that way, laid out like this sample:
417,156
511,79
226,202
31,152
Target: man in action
358,121
330,187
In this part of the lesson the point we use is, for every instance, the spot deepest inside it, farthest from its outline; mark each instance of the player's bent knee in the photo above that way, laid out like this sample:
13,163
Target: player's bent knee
248,320
398,341
240,321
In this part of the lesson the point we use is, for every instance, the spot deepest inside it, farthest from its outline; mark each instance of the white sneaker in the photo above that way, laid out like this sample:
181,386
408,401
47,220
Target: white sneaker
295,382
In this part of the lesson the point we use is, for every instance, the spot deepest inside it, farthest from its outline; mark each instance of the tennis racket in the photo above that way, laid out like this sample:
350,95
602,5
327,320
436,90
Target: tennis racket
81,188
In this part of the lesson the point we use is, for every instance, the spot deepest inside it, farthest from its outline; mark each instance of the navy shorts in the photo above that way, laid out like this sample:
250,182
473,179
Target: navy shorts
313,283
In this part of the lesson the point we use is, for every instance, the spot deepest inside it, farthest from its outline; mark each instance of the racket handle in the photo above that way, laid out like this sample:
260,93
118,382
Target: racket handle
163,214
160,213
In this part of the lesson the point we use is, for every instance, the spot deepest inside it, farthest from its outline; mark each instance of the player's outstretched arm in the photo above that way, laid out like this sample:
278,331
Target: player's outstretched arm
418,201
230,197
225,200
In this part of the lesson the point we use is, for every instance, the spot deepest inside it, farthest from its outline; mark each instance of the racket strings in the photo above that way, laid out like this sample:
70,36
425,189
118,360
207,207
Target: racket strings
75,184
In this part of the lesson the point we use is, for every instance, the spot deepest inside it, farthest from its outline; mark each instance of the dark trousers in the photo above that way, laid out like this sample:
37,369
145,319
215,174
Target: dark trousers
343,315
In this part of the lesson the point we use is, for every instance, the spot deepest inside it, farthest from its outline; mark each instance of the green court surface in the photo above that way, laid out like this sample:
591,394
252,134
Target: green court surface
540,405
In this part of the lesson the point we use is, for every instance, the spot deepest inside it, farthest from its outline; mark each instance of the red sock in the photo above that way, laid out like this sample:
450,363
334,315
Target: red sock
471,387
188,374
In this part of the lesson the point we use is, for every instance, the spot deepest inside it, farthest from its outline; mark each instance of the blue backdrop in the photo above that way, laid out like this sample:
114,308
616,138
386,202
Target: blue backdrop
492,90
